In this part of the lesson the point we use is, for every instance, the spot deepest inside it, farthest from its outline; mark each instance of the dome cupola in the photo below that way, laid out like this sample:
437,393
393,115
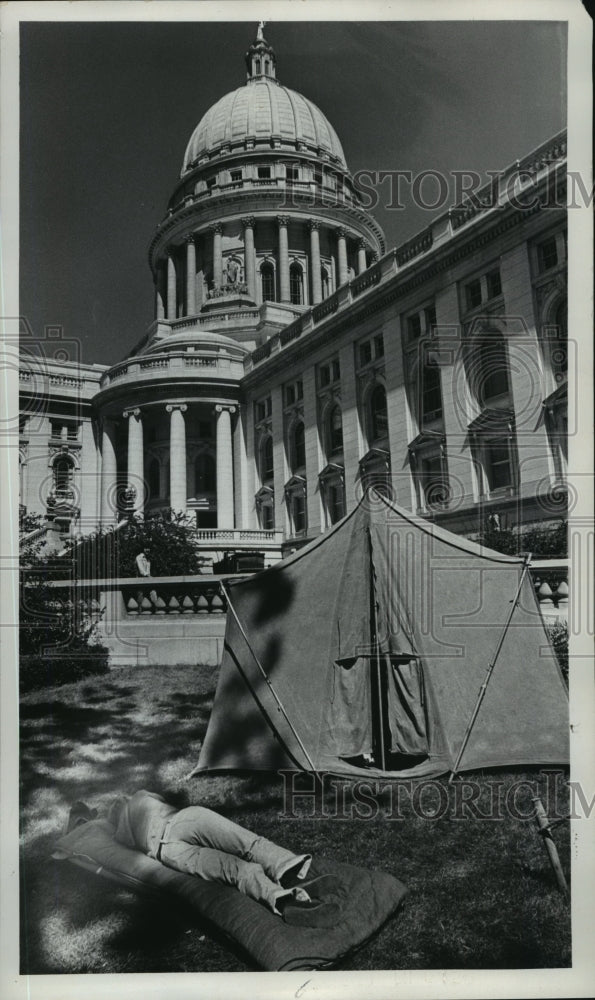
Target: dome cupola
260,58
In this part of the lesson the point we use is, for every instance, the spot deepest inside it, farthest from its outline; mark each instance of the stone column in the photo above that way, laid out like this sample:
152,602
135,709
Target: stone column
171,287
136,468
224,467
342,255
283,222
361,256
217,230
109,471
190,276
315,261
159,297
177,456
249,255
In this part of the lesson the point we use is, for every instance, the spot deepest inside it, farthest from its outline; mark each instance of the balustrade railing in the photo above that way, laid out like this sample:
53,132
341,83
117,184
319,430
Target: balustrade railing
550,579
152,597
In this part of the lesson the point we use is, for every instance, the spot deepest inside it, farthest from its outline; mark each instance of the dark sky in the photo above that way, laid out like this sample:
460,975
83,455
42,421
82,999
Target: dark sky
107,110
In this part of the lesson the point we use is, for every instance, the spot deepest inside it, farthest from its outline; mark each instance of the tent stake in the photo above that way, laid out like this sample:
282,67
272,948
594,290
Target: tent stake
264,674
545,830
489,671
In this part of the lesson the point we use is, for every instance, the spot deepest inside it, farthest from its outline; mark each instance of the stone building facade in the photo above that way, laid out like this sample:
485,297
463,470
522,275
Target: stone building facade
293,360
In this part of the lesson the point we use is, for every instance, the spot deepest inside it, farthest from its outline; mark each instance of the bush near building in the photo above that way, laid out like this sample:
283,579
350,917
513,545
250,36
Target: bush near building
166,538
58,641
547,542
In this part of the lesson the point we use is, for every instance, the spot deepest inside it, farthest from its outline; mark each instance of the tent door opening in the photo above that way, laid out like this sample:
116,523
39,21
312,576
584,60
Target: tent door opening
392,733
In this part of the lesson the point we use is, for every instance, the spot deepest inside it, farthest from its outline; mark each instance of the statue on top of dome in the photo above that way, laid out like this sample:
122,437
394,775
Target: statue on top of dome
259,34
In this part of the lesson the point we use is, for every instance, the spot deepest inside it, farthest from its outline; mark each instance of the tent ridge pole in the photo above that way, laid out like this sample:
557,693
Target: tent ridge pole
490,670
264,674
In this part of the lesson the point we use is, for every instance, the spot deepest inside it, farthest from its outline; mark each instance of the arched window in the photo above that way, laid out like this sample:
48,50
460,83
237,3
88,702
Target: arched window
335,431
267,277
559,352
296,284
204,474
63,472
266,460
153,478
492,376
378,414
298,447
325,281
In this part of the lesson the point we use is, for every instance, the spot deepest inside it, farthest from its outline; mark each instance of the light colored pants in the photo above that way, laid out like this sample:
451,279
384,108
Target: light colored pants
200,842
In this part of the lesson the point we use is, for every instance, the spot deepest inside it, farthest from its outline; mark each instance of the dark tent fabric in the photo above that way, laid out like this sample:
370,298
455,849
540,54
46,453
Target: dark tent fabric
302,683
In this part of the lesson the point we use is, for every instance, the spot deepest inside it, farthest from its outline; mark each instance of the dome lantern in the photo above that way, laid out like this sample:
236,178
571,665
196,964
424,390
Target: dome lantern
260,58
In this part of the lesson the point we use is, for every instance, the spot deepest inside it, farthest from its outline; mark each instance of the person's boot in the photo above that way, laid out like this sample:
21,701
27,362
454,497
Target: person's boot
79,813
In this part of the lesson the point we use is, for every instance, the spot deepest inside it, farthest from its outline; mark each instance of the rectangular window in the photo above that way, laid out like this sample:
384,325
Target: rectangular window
365,353
264,173
292,173
493,377
56,428
235,175
336,371
336,502
430,314
414,327
473,294
547,254
494,284
431,393
289,395
498,466
298,508
72,432
434,485
267,517
299,386
379,345
325,375
211,183
262,409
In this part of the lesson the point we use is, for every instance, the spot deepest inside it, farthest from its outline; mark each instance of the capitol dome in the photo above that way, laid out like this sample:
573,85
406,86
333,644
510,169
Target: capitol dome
263,110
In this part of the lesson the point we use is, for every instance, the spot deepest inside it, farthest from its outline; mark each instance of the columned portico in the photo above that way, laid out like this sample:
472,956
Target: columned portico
283,222
217,231
159,296
315,262
225,498
109,470
136,471
171,287
361,256
190,276
249,255
177,456
342,255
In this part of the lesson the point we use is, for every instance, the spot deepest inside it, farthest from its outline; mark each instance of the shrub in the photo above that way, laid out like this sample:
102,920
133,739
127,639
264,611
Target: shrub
58,640
558,633
167,537
549,541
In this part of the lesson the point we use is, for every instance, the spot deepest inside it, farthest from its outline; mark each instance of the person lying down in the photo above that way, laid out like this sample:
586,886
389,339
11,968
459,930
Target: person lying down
198,841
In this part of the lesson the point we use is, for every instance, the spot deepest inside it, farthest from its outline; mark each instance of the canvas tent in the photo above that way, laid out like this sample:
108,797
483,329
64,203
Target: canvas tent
366,650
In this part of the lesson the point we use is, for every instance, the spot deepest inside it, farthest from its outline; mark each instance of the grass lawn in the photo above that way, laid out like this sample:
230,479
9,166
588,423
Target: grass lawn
482,893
